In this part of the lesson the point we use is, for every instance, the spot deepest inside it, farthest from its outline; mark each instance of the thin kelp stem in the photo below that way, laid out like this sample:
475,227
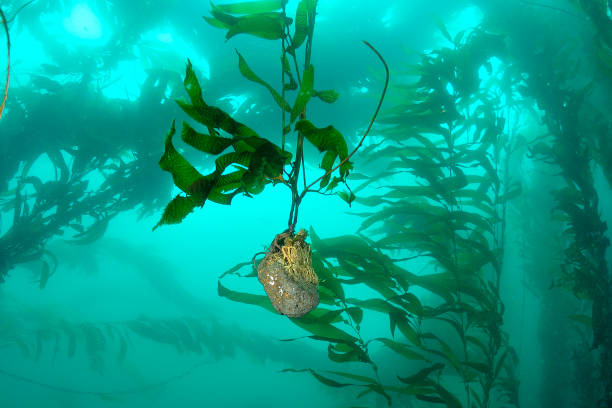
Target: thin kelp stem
5,22
102,394
19,11
296,198
283,56
382,97
8,61
558,9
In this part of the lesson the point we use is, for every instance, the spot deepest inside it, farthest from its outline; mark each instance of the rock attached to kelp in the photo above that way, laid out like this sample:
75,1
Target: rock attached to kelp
287,275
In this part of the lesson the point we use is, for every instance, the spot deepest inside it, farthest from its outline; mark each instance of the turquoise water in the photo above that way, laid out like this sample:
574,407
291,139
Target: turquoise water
473,265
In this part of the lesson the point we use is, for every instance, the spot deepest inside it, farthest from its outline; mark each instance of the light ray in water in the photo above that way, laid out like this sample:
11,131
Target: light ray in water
83,23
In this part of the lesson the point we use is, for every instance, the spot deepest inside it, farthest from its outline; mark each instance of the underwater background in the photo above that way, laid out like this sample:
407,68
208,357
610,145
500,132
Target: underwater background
462,251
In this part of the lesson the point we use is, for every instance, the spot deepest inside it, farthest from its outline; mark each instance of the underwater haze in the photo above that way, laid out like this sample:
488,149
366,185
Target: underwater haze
306,203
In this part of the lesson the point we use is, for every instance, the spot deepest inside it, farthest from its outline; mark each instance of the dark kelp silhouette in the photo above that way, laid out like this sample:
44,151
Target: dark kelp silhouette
39,335
584,271
570,79
66,204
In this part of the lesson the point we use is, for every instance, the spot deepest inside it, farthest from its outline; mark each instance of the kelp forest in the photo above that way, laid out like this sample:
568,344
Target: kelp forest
306,202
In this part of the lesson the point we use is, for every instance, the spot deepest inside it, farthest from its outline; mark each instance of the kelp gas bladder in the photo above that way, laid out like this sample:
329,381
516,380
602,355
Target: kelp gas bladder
246,162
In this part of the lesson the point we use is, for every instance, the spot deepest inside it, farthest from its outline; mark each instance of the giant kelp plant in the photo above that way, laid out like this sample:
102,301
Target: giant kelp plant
253,161
569,78
455,137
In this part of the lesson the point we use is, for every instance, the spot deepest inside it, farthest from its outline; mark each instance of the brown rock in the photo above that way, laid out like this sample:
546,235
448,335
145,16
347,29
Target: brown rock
287,275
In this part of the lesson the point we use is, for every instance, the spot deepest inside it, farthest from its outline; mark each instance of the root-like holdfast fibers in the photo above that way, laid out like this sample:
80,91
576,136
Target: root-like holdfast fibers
287,275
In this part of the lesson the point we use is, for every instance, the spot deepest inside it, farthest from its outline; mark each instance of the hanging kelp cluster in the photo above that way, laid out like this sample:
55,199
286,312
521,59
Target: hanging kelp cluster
246,162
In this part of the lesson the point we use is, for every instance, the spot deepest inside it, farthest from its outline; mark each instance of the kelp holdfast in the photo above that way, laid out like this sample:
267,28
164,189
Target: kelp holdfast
287,275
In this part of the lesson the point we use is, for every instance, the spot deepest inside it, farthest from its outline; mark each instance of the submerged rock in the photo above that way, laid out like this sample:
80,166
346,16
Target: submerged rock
287,275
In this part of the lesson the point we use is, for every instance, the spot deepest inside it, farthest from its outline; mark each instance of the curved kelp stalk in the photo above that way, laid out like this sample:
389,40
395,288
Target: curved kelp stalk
348,198
253,161
114,395
8,62
5,22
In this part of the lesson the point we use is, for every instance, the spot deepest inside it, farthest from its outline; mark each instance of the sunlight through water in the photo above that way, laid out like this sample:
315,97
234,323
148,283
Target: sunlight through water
83,23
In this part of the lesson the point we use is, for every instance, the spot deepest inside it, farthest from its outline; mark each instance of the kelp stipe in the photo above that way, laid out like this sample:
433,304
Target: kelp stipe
451,136
5,23
8,61
584,271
